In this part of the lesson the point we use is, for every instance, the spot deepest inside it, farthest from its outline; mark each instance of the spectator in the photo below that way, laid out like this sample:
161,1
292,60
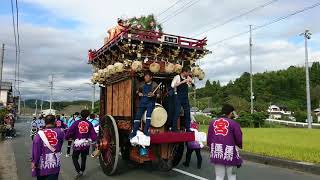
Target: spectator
34,128
224,139
194,146
83,133
96,125
71,120
59,123
8,122
46,151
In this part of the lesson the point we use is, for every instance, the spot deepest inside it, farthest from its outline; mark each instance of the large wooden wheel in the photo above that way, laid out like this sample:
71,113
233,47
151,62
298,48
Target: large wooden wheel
177,151
109,146
175,155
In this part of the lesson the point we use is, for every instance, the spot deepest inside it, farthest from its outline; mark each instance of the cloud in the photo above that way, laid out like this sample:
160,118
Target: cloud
57,42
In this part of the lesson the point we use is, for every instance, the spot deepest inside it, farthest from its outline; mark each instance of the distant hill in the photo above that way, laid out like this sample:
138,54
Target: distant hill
57,105
283,87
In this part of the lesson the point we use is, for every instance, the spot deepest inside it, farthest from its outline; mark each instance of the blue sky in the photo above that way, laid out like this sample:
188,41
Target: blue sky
37,15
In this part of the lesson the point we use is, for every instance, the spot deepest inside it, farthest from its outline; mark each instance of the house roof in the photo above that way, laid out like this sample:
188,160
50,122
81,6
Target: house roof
194,109
207,110
273,107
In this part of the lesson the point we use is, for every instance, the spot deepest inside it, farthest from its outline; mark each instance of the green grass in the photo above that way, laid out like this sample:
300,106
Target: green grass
289,143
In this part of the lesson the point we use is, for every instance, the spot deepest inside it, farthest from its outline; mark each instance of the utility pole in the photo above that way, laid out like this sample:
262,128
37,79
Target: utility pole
93,96
51,88
41,104
24,107
307,35
251,86
195,95
1,65
36,103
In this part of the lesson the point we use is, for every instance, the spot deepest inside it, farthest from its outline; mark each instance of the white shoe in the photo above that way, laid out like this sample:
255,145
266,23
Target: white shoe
67,155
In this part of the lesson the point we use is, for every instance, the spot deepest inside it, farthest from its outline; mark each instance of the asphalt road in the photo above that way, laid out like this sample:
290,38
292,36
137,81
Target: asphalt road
250,171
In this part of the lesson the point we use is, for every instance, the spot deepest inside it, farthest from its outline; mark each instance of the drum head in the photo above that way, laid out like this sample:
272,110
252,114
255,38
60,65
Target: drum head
159,116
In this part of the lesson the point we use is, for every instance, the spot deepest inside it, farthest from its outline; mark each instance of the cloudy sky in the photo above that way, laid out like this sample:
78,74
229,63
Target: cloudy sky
56,34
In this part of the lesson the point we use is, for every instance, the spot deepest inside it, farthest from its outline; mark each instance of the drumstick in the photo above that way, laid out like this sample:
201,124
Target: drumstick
154,91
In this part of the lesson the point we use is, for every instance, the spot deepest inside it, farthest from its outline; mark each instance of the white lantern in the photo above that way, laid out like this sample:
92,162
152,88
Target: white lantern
136,66
154,67
169,68
177,68
119,67
110,69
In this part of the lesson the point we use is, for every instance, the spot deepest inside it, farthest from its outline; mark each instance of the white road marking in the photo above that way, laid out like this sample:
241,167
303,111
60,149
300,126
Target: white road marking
189,174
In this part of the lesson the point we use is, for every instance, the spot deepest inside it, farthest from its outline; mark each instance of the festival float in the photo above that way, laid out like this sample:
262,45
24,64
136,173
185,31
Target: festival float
130,49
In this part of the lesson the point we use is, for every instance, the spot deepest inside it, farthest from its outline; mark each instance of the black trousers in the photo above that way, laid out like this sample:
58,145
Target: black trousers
75,158
69,147
48,177
189,153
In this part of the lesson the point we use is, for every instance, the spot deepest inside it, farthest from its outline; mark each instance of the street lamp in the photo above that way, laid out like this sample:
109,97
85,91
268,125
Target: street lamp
307,35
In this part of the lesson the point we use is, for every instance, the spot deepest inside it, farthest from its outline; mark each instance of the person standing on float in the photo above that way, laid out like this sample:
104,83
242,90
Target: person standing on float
180,84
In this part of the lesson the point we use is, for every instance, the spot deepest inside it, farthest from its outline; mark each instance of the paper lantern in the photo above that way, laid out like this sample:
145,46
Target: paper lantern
136,66
119,67
154,67
169,68
201,75
177,68
110,69
196,71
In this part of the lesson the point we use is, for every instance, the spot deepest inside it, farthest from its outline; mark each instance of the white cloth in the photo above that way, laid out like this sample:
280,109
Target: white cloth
176,80
96,129
199,136
82,142
45,141
140,139
221,170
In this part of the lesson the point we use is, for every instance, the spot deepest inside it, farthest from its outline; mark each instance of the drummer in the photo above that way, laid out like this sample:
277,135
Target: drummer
180,84
147,102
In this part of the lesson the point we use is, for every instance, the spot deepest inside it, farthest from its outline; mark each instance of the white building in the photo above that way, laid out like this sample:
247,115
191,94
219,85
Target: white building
6,93
48,111
278,112
317,112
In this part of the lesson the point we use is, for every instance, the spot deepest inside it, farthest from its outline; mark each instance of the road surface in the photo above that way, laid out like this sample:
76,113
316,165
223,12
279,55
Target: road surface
21,146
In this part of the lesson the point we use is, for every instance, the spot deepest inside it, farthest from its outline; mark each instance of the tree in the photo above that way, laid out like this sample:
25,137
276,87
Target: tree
240,104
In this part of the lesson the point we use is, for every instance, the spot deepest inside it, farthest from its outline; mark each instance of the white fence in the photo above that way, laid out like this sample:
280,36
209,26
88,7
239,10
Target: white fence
293,123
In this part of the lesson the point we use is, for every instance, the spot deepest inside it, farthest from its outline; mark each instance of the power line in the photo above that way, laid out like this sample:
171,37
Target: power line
267,24
235,17
169,8
178,11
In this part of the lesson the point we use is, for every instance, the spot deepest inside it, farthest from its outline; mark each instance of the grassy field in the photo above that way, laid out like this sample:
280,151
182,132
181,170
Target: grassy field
289,143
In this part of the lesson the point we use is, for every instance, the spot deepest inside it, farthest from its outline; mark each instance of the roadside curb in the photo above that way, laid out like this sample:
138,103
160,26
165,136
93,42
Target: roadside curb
8,166
273,161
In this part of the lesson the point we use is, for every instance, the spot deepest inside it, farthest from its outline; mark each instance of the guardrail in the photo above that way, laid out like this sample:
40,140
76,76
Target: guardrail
293,123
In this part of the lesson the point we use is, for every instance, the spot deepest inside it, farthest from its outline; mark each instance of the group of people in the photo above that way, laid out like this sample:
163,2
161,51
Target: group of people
49,135
148,92
9,126
224,136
